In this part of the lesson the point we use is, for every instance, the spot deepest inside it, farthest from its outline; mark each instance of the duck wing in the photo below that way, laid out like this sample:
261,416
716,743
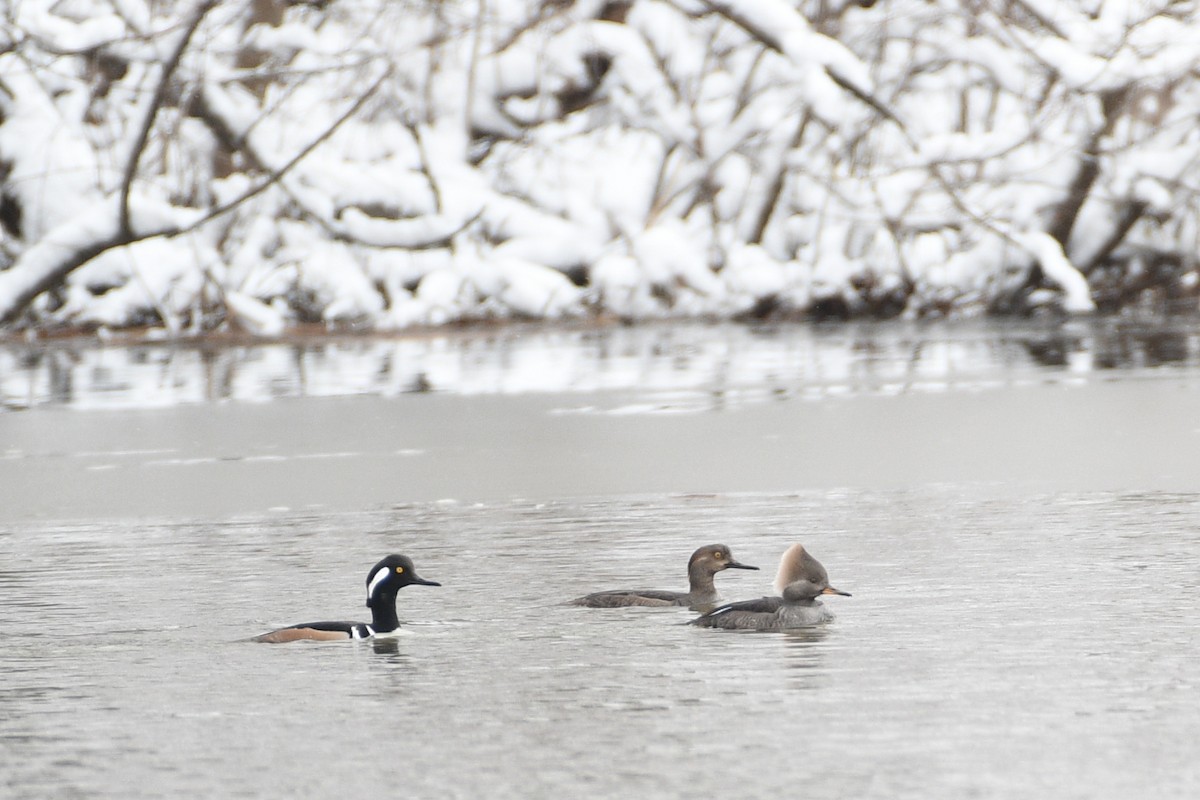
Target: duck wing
717,618
629,597
322,631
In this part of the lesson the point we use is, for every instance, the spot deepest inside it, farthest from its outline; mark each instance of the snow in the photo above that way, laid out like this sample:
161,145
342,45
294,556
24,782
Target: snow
1049,254
254,316
391,165
52,168
529,289
443,295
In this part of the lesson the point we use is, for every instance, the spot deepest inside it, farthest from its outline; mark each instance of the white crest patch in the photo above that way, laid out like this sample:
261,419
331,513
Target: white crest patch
379,577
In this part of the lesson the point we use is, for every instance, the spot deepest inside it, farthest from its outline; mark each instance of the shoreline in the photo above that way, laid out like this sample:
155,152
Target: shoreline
315,332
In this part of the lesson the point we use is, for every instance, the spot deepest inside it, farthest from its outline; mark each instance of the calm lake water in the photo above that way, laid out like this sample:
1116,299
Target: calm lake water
1013,510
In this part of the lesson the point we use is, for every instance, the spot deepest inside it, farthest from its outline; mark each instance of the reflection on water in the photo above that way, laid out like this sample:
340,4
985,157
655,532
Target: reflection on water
807,656
387,647
684,366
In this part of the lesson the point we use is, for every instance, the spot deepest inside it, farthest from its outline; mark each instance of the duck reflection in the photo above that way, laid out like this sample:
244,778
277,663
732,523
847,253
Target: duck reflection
804,646
389,646
805,651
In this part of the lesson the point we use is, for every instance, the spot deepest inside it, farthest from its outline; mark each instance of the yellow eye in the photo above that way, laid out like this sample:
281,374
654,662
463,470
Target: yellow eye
399,570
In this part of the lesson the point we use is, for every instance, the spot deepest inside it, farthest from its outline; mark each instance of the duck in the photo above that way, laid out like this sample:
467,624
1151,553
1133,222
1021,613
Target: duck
800,581
701,595
383,581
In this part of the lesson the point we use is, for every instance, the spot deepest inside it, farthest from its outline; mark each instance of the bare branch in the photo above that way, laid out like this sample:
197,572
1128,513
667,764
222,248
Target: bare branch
728,9
156,103
1129,217
1088,169
775,189
24,289
277,175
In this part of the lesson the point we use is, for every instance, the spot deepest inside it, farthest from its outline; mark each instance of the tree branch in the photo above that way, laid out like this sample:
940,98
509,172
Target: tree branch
1129,217
57,256
277,174
1088,169
156,102
729,10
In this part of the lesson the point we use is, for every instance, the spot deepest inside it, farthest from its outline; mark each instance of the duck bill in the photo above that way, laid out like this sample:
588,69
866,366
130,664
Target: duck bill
831,590
422,581
738,565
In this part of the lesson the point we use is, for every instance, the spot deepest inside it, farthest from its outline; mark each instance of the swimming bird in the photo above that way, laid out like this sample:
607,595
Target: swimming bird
383,581
701,594
801,580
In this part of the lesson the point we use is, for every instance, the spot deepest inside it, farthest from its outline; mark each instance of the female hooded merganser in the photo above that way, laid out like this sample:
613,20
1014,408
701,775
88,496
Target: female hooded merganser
701,594
801,580
383,581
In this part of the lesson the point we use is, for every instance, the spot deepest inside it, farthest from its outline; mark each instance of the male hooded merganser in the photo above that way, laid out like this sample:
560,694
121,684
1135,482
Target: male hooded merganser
383,581
701,594
801,580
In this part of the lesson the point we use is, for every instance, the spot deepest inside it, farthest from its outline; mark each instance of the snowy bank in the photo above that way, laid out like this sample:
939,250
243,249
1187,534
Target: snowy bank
373,165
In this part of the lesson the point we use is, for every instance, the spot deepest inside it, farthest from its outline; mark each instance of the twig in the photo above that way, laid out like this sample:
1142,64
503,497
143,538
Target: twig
728,10
122,236
277,174
156,103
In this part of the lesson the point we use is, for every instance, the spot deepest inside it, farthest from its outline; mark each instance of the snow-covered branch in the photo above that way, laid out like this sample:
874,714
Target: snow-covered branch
156,103
193,164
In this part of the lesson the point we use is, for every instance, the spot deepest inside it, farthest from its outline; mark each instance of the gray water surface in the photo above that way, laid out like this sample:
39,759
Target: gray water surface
1044,647
1020,536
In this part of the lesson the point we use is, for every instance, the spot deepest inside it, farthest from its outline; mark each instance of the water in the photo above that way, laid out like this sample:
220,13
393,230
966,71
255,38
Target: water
1021,547
1039,648
666,368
